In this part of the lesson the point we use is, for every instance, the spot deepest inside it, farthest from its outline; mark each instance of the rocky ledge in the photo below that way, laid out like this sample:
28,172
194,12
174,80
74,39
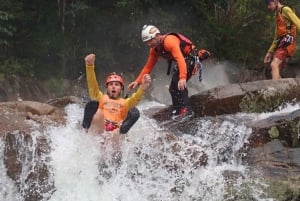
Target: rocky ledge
273,146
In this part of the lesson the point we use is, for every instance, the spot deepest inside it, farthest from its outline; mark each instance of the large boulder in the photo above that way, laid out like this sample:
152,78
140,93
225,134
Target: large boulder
214,104
257,96
274,144
17,120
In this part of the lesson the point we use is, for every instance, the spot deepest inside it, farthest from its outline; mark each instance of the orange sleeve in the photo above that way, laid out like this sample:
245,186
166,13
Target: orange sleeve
152,59
172,45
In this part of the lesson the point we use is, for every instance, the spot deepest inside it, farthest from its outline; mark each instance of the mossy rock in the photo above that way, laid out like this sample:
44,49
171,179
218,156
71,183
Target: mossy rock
267,100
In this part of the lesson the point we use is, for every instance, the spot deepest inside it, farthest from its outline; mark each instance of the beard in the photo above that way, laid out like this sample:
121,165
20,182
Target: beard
113,95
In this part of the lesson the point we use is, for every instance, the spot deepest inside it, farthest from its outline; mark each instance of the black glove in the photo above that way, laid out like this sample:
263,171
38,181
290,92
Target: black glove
285,41
203,54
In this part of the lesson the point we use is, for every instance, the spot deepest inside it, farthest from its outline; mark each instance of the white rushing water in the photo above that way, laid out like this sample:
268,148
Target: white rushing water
151,166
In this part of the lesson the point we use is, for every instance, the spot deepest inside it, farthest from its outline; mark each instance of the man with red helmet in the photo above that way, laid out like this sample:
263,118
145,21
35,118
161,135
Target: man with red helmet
284,43
111,110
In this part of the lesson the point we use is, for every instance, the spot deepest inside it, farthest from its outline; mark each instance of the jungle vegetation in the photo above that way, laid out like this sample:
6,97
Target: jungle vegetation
44,39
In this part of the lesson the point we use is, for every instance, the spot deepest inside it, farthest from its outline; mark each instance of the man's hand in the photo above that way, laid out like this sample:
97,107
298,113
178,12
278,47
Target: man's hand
132,85
182,84
268,58
90,59
146,81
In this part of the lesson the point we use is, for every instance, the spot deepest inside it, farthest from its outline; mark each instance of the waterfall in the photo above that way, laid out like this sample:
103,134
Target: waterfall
147,167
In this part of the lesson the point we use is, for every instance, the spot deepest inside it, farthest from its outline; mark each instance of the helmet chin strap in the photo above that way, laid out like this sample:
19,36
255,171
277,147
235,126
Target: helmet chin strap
157,39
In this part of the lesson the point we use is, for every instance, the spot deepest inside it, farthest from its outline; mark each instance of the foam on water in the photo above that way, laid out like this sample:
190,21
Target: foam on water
148,166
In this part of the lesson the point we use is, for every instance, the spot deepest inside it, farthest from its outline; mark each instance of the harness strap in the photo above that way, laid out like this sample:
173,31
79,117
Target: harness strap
169,66
110,125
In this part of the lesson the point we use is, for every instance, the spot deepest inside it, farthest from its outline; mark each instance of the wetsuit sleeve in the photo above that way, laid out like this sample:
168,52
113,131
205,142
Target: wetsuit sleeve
172,45
290,17
93,87
152,59
289,14
135,98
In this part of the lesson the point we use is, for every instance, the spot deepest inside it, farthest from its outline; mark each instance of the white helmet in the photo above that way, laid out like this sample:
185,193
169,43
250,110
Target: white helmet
149,32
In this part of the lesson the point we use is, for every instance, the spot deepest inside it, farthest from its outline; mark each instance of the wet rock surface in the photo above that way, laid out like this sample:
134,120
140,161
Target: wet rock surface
34,179
257,96
273,146
17,120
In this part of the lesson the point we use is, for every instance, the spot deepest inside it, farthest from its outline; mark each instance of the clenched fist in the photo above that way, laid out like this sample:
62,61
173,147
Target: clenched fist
90,59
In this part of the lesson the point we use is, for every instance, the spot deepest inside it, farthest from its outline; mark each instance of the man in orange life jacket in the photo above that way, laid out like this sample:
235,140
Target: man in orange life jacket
173,47
112,110
284,43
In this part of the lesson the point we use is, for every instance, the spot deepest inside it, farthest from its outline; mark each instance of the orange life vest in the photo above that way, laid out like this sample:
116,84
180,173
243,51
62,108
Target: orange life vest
186,46
114,110
284,29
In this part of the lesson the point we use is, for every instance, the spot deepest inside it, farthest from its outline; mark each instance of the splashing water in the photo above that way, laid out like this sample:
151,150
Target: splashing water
8,190
215,74
149,165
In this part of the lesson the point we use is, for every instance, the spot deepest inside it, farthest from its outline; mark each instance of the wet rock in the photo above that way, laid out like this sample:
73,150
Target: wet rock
63,101
282,126
27,160
277,162
13,87
16,115
257,96
26,157
276,158
274,145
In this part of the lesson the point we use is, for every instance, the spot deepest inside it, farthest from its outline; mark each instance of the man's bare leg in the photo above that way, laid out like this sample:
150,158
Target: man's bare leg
97,124
275,66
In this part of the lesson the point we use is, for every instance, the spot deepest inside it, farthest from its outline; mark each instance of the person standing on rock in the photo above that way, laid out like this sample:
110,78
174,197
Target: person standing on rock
110,112
173,47
284,43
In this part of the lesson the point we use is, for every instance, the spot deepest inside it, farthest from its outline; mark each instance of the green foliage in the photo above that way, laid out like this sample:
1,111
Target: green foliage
15,66
7,30
234,29
57,86
54,36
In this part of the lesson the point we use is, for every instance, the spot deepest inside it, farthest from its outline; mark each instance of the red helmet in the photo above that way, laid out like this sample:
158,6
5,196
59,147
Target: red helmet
114,77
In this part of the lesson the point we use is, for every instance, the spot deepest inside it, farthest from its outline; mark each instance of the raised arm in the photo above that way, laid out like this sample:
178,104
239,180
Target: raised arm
93,87
136,97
